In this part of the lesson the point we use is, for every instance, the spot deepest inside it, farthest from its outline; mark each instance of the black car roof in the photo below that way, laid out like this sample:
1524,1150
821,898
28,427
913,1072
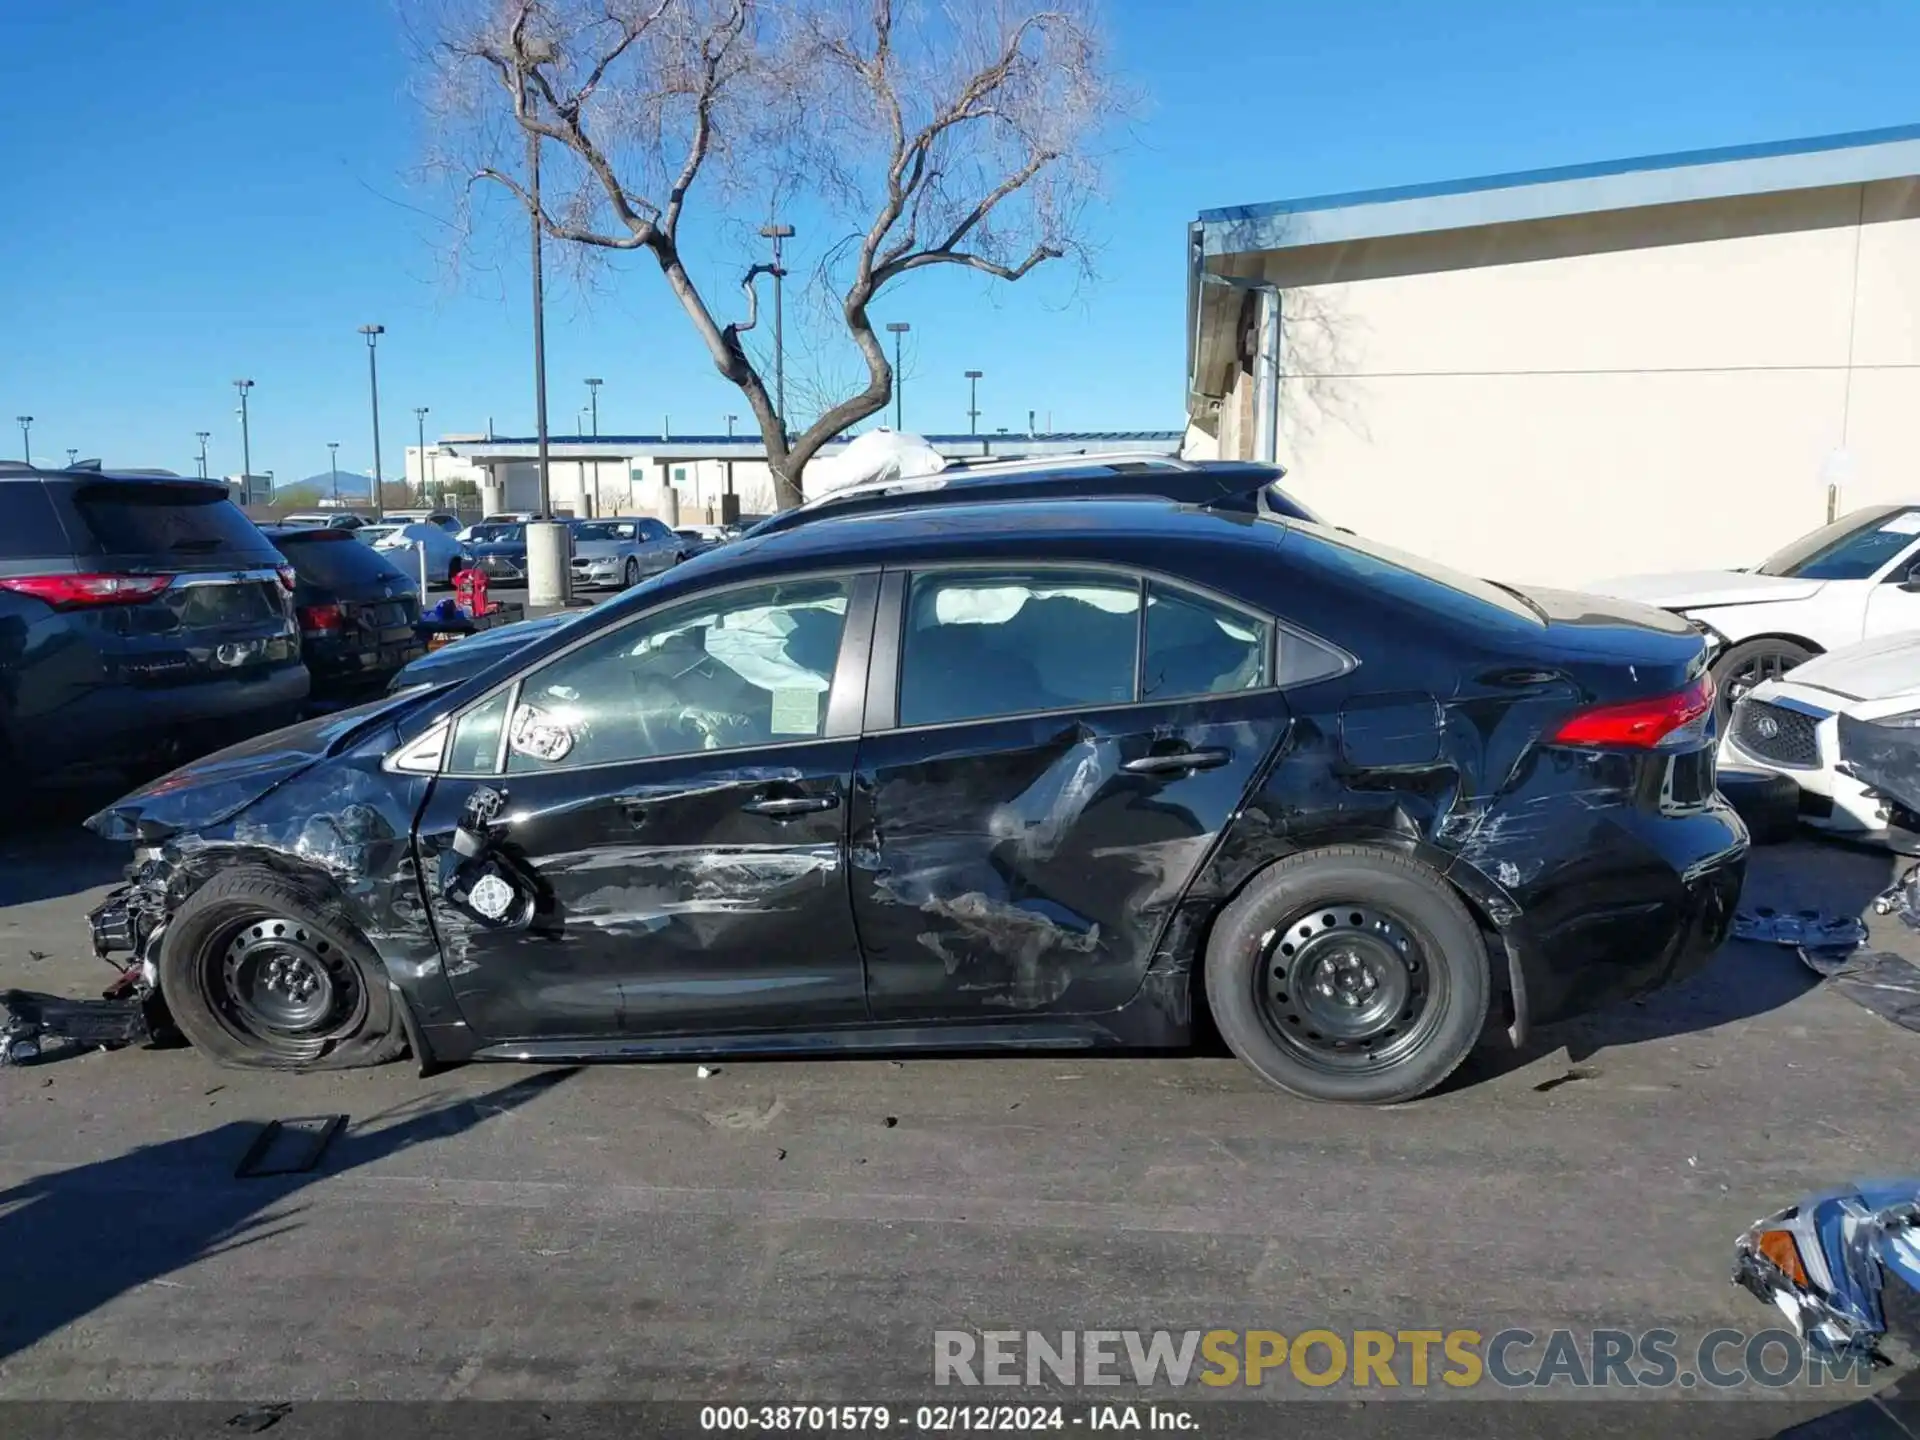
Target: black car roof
19,470
307,532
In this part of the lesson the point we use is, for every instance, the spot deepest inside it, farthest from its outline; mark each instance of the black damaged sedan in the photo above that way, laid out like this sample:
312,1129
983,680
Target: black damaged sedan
1016,775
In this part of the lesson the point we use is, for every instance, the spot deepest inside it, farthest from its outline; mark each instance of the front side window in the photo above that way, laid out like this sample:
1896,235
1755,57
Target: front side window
741,669
1010,643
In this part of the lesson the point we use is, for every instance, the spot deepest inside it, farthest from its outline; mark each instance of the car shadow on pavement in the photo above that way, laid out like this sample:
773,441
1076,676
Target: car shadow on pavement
76,1239
1747,978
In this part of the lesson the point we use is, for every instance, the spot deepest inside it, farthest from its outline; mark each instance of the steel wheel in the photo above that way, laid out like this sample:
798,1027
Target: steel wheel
282,978
1347,988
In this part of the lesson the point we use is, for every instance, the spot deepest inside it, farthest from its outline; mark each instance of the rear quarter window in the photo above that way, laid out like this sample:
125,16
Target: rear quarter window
29,526
174,521
333,559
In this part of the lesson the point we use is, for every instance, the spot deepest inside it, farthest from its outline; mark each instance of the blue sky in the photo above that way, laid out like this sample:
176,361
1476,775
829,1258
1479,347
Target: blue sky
202,191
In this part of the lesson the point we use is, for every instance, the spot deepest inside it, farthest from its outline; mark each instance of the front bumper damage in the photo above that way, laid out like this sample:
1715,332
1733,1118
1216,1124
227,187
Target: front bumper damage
1843,1266
126,929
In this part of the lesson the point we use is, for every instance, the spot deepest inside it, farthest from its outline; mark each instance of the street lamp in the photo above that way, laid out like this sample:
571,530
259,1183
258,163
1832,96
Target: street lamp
246,442
973,401
26,435
373,334
203,436
777,233
420,418
897,328
72,455
333,464
593,401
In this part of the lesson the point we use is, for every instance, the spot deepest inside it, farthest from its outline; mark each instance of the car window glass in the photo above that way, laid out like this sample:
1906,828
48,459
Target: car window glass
750,667
333,560
476,739
1196,646
1848,549
28,524
979,644
151,519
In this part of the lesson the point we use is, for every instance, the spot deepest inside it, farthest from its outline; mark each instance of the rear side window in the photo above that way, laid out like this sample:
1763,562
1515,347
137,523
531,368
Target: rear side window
333,560
1419,581
29,527
1197,646
1012,643
170,520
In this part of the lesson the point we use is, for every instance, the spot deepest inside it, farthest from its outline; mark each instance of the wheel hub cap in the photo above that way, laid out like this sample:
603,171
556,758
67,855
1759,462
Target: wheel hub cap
1345,985
281,976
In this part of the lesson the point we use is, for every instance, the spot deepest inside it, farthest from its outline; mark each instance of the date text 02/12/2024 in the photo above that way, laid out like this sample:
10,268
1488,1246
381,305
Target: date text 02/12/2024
943,1419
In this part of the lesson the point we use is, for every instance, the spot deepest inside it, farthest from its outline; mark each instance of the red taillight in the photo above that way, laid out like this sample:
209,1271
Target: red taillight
66,592
1639,724
319,617
287,577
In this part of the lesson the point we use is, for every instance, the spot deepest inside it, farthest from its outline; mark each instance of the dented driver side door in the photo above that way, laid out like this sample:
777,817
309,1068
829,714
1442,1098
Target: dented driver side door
647,835
1049,754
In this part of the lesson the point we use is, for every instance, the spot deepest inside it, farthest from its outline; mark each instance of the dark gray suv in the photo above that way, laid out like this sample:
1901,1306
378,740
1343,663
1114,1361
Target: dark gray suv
140,612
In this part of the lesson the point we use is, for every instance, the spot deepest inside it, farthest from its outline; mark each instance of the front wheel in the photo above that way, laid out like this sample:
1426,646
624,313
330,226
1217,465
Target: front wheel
630,577
1741,667
1348,974
264,972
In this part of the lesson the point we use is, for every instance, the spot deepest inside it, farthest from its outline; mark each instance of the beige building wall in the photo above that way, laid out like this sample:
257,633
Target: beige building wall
1559,401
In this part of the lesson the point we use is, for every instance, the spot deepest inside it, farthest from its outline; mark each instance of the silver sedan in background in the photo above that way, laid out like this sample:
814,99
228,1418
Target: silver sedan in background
619,552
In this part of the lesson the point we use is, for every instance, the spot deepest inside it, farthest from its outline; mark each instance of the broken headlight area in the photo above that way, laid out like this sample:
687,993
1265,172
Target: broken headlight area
1844,1268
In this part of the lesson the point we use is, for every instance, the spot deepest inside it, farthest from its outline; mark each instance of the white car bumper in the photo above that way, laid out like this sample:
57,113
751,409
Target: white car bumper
1795,731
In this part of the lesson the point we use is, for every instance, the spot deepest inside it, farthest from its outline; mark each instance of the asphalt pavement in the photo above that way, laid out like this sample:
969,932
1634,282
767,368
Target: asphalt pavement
798,1229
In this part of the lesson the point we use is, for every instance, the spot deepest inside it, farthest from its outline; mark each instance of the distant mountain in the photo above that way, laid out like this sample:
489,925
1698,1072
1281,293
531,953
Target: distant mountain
353,485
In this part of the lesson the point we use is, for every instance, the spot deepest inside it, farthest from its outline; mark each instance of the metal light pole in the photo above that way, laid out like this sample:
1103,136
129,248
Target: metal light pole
548,542
333,463
593,402
72,455
898,328
778,233
973,401
203,436
246,443
420,419
373,334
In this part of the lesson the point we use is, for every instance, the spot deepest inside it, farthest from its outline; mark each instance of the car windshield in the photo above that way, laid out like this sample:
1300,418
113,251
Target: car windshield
374,534
1854,547
606,530
497,534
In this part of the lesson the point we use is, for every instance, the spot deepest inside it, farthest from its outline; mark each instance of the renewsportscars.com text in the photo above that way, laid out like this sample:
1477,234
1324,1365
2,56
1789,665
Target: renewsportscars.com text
1457,1359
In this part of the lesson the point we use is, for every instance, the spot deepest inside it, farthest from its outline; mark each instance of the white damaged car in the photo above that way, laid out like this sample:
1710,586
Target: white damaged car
1849,581
1791,726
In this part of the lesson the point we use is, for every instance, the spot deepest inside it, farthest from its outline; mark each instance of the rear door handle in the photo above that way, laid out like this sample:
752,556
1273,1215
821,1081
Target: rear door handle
782,807
1178,760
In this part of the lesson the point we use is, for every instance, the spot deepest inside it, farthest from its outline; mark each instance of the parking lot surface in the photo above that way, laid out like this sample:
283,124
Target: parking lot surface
799,1229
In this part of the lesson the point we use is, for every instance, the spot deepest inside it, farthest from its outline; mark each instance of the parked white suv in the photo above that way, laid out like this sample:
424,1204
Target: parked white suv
1849,581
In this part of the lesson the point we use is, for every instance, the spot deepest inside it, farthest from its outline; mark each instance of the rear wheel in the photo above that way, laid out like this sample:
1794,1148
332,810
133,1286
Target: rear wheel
1743,666
1348,974
261,971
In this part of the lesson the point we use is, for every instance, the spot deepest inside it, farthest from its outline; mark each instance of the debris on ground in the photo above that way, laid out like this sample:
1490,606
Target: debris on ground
1818,928
706,1072
1844,1267
289,1147
1876,980
35,1019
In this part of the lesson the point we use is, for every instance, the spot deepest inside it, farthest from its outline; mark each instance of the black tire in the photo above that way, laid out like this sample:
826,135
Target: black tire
1741,667
454,567
1768,801
630,577
1374,908
230,931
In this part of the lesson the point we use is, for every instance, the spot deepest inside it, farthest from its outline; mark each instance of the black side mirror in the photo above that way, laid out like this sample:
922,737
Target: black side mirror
1912,581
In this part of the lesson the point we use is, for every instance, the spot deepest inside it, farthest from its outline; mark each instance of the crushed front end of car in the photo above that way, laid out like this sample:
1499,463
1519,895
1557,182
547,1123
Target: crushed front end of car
1843,1266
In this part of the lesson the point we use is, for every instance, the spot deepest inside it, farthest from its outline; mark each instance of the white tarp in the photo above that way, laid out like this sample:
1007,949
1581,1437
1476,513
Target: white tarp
880,454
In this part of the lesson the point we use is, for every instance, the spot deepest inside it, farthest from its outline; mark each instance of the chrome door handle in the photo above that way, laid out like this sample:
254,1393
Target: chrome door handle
1178,760
784,806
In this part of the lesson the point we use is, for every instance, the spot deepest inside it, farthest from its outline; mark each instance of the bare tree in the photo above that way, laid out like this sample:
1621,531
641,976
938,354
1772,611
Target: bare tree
959,135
